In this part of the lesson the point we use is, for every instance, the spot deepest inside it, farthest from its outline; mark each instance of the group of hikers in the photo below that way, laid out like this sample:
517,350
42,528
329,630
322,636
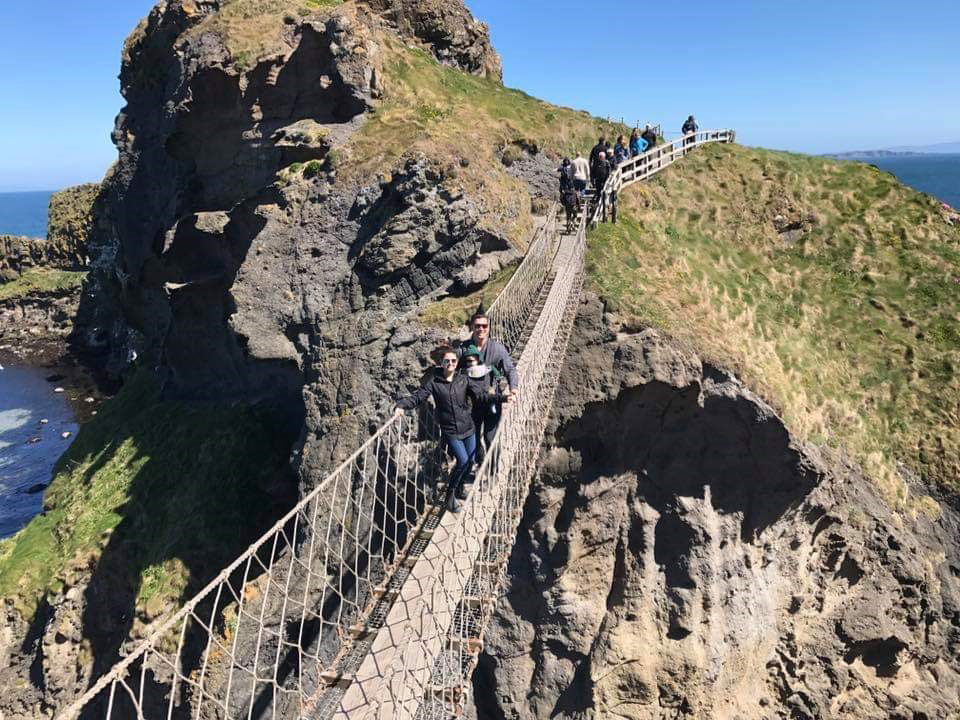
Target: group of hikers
466,381
577,174
465,385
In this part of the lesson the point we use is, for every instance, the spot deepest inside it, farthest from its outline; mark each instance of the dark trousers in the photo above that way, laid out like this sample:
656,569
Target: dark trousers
486,421
464,451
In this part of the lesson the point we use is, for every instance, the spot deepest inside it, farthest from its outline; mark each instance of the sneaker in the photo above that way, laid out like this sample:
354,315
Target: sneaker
452,504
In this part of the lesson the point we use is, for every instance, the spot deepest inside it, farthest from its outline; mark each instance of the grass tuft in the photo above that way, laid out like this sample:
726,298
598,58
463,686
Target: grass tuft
41,281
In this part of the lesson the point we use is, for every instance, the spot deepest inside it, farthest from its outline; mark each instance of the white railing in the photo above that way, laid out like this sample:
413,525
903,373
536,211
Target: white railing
651,162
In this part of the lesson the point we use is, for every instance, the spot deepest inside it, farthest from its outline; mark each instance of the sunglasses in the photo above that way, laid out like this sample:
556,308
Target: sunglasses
477,326
449,361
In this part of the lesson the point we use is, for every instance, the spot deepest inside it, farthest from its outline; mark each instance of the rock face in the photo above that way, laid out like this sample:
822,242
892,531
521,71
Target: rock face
449,30
248,281
247,284
681,556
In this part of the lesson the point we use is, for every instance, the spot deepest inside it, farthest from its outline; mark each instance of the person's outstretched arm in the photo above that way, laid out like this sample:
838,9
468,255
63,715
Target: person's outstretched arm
415,399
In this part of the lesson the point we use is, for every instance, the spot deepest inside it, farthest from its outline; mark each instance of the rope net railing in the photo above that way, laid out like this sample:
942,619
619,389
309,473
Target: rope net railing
421,660
259,638
653,161
366,600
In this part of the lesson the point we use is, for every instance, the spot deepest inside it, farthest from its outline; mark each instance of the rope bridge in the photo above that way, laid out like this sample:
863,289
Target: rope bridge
367,600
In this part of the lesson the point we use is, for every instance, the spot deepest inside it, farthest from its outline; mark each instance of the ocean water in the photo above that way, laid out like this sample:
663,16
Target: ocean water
938,175
29,448
24,213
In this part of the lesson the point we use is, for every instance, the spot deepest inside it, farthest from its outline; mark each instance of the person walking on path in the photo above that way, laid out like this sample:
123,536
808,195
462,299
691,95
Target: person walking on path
569,197
454,399
581,173
600,147
600,171
689,128
650,135
637,143
621,153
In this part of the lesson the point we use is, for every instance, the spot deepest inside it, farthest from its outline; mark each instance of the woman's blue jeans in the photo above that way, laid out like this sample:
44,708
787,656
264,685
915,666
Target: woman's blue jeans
464,451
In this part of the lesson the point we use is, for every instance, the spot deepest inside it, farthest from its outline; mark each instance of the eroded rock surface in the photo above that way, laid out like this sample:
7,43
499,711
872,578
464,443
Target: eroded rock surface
681,556
246,281
450,31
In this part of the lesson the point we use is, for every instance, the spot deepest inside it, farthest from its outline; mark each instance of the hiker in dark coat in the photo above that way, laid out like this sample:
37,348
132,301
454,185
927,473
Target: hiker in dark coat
599,172
621,152
486,413
569,197
650,135
454,399
689,128
600,147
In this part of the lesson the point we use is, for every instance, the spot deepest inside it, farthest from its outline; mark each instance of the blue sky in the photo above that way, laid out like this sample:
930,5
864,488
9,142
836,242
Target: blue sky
810,76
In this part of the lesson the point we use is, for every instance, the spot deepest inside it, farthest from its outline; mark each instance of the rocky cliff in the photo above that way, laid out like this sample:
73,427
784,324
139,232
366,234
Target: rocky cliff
683,556
266,240
247,278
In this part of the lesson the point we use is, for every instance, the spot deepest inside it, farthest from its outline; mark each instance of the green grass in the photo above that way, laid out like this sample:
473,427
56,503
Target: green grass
41,281
849,329
448,116
162,494
454,312
253,29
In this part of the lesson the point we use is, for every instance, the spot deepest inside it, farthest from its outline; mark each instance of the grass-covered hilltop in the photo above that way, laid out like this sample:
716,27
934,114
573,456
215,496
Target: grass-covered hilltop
309,194
830,288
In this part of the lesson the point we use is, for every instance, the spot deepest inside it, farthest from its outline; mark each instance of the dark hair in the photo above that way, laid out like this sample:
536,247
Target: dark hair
476,316
619,138
438,352
603,138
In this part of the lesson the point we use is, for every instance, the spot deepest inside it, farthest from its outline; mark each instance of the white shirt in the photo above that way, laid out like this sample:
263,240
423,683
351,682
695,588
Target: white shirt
581,169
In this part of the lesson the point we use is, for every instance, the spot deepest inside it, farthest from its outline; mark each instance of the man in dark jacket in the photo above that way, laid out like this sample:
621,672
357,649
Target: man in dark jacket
600,147
650,135
569,197
600,171
689,127
494,355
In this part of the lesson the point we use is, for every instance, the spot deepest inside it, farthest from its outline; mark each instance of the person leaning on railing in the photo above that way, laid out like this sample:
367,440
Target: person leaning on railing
621,153
637,143
454,399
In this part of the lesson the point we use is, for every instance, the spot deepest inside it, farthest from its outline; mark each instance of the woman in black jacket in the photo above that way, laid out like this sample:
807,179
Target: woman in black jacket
454,398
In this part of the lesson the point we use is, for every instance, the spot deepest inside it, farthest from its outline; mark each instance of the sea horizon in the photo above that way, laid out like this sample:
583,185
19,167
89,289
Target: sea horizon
25,213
